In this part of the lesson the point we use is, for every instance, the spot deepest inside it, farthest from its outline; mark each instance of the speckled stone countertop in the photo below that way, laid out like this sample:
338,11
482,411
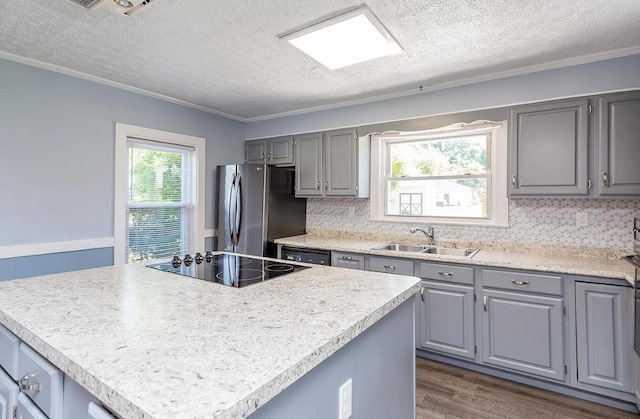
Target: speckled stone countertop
151,344
575,261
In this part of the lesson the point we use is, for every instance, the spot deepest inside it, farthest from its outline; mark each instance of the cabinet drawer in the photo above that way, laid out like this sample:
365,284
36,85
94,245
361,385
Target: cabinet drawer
456,274
391,265
8,395
28,410
523,282
347,260
34,370
98,412
9,344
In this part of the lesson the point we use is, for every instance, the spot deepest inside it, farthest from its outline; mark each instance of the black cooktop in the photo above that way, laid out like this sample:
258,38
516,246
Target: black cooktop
228,269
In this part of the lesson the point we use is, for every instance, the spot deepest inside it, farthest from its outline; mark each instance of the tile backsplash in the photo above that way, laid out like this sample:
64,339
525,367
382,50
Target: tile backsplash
531,220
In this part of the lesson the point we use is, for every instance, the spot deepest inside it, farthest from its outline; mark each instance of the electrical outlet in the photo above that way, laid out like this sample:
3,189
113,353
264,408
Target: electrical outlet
582,219
345,395
352,212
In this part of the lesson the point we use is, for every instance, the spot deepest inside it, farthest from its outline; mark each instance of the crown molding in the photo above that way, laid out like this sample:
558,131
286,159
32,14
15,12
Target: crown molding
78,74
568,62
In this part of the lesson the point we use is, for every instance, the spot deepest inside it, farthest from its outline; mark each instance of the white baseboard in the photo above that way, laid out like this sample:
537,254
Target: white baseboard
54,247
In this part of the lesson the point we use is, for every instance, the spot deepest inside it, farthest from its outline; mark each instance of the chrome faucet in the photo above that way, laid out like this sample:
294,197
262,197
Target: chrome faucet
428,234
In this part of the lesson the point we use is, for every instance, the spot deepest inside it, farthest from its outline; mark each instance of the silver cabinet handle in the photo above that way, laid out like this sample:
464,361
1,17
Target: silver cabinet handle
346,258
269,156
588,183
262,156
635,230
484,302
514,282
605,179
445,273
393,268
326,185
422,294
318,185
513,181
26,385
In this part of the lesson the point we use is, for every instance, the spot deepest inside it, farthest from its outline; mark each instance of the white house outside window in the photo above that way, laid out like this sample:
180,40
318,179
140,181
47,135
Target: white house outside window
159,194
453,175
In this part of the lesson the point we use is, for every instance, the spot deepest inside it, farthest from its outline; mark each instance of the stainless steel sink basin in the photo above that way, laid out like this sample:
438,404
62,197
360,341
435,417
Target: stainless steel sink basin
395,247
433,250
445,251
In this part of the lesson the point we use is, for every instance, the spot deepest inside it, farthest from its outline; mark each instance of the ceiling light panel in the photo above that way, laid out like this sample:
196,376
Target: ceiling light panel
348,39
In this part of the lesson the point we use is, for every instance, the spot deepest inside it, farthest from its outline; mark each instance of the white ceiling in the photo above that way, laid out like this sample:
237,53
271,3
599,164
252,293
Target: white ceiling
226,56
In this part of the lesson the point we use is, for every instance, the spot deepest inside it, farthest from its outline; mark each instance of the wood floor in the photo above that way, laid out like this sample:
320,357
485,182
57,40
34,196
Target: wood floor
444,391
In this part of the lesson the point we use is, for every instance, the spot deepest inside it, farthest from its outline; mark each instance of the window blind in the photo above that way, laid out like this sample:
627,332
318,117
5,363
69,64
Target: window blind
160,200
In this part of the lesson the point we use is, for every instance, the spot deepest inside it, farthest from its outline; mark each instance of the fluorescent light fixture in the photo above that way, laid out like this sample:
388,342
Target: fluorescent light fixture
348,39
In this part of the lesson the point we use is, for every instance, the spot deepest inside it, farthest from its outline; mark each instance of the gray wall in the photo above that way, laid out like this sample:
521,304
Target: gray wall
57,151
616,74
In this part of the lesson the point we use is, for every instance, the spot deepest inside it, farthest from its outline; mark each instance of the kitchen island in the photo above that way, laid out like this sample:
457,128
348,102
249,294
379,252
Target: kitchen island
150,344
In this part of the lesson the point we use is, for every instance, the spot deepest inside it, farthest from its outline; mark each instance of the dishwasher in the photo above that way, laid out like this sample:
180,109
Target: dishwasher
314,256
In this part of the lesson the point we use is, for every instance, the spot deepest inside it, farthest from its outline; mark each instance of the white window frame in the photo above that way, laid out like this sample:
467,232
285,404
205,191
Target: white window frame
125,131
498,208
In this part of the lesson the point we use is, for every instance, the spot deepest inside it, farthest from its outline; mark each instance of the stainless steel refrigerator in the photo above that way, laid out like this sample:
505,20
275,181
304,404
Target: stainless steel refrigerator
256,205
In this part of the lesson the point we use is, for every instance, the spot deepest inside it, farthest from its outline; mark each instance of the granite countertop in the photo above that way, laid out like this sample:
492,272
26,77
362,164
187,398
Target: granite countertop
587,262
151,344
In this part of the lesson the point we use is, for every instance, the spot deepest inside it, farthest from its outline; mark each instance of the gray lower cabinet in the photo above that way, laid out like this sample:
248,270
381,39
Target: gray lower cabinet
332,164
604,336
523,333
548,148
446,318
618,128
347,260
8,395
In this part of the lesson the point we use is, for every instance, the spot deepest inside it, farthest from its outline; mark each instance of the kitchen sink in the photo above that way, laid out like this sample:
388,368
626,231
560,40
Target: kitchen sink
445,251
433,250
402,247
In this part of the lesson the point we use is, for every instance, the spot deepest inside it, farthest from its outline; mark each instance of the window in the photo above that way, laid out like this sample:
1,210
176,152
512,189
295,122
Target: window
159,194
453,175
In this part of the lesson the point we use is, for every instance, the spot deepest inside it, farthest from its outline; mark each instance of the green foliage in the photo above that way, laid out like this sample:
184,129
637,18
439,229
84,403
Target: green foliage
156,176
397,167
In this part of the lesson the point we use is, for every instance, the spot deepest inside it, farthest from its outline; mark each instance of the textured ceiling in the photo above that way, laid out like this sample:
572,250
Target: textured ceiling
226,56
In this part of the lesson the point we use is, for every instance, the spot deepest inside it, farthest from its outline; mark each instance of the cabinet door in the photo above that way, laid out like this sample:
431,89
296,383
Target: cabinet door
603,322
308,152
254,152
341,162
548,149
347,260
280,150
8,395
619,144
27,409
446,319
523,333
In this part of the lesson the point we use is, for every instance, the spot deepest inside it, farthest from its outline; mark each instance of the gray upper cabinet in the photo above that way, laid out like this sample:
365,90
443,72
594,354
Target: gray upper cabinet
446,319
548,148
280,151
276,151
255,151
618,160
309,168
604,331
340,162
523,333
334,163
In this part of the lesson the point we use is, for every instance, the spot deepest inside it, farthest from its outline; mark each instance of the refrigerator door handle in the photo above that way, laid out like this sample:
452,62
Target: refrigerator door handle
232,221
238,209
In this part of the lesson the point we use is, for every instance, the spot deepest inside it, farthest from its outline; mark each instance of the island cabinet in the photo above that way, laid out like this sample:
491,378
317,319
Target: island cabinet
618,158
604,336
522,323
445,313
274,151
332,164
548,148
